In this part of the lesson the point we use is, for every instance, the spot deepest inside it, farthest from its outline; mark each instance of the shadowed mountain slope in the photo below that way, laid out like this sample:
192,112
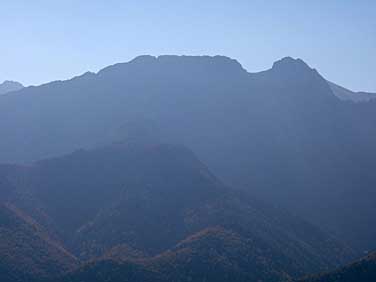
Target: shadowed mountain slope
164,208
213,254
27,251
363,270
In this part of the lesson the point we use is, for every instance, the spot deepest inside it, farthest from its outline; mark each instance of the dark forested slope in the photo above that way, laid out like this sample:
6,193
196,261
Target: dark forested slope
160,208
363,270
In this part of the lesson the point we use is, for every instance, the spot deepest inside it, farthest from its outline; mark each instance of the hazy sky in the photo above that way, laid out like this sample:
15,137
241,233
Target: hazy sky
48,40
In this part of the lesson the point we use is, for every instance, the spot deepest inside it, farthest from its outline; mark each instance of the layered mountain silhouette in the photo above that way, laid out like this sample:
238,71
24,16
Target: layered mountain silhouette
282,134
10,86
150,213
363,270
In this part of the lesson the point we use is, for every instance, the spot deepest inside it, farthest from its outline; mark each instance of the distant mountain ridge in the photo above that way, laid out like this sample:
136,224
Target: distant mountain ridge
10,86
348,95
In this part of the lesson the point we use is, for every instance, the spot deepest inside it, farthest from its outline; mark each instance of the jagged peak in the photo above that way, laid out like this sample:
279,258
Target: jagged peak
289,63
289,70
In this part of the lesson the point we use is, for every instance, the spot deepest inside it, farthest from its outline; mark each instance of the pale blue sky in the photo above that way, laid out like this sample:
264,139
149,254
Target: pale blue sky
47,40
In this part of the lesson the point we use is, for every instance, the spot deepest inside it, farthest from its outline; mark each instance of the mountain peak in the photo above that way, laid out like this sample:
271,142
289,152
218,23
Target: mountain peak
291,64
290,71
10,86
143,59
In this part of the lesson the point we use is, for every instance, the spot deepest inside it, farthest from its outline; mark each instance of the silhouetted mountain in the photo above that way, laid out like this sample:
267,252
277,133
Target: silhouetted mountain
281,134
10,86
362,271
157,209
348,95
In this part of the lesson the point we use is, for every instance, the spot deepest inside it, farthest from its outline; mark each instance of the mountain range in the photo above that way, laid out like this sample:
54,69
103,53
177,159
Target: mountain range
271,179
281,134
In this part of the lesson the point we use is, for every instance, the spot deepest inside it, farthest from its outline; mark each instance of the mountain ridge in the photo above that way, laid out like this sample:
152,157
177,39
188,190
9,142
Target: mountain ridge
348,95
